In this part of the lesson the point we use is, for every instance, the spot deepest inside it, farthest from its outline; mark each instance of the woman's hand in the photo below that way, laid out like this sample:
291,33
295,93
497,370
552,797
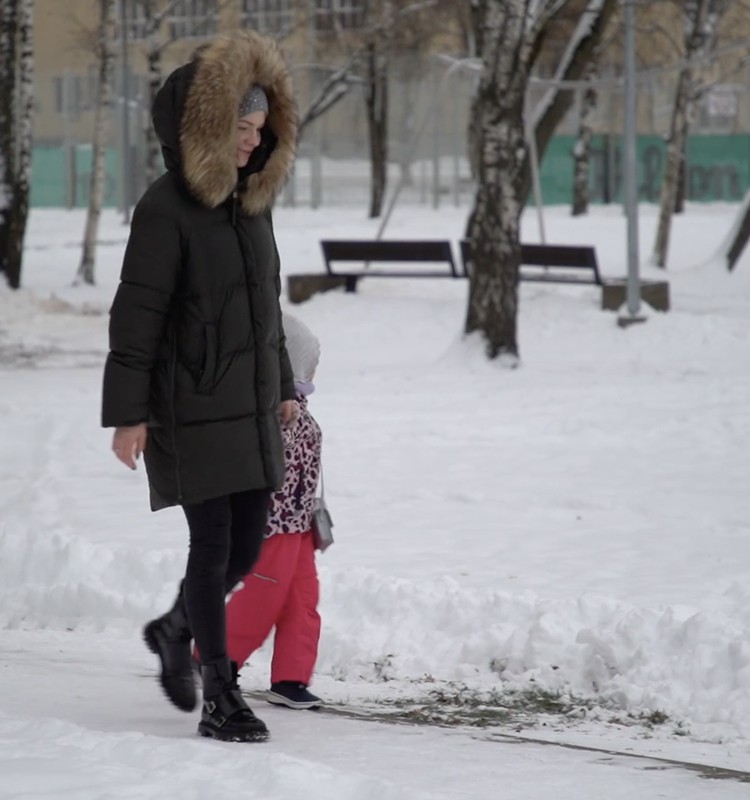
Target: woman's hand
129,442
288,411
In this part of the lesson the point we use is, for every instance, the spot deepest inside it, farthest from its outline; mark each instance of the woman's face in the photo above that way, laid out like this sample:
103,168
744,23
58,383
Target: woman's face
248,135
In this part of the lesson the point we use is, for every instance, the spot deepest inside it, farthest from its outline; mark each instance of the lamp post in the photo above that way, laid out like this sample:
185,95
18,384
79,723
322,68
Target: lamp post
125,158
633,287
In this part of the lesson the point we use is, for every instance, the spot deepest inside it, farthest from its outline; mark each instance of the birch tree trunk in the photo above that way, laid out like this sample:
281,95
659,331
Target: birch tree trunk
737,238
699,18
582,153
582,51
472,133
154,12
102,120
675,155
153,149
510,35
8,69
501,149
152,19
682,179
377,125
376,99
15,211
740,240
20,207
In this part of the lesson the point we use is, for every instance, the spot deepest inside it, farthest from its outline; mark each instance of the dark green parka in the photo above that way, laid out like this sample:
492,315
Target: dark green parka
196,344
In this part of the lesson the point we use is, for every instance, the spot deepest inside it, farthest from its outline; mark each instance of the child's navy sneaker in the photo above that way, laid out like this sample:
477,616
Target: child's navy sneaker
292,695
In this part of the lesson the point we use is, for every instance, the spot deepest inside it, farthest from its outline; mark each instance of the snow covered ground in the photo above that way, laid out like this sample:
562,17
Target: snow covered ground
571,535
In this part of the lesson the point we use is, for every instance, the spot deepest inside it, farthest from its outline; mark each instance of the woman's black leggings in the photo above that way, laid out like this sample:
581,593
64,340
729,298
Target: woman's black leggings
226,534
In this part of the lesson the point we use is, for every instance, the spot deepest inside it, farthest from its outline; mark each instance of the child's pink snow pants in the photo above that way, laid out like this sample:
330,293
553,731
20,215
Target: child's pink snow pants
282,591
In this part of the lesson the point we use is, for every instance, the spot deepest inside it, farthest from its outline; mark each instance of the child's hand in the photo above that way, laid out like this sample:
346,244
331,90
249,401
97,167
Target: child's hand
289,411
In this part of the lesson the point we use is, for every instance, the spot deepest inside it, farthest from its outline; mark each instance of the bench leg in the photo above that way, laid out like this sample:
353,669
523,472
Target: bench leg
351,283
303,287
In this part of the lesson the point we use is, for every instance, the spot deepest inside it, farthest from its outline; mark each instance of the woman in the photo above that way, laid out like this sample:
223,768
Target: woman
198,377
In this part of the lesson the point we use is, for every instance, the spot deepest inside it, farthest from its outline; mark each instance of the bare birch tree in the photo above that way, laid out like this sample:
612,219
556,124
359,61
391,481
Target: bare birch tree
509,35
701,19
736,240
8,126
590,20
582,148
153,14
334,89
376,100
403,23
102,119
16,131
368,52
154,49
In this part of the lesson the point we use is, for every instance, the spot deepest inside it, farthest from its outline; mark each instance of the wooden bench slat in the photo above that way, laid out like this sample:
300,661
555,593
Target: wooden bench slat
391,250
539,277
402,273
551,257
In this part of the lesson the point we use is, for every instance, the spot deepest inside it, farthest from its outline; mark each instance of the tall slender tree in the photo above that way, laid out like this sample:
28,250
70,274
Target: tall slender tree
376,100
737,238
8,60
102,120
153,14
390,23
16,131
582,147
700,18
509,35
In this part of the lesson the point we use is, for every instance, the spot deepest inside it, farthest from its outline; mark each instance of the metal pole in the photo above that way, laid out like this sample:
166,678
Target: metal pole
535,179
436,152
126,160
457,131
630,178
70,176
316,169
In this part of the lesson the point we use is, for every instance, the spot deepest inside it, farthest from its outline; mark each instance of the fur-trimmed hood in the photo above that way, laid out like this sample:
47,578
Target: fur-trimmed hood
196,114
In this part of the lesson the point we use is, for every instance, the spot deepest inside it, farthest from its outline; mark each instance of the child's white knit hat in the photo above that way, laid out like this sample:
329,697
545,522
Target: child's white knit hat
303,348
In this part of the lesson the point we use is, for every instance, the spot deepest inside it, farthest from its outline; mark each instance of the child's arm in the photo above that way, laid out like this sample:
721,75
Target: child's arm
298,428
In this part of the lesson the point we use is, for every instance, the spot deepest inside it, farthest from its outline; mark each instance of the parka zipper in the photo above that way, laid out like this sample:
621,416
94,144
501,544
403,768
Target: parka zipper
173,414
248,260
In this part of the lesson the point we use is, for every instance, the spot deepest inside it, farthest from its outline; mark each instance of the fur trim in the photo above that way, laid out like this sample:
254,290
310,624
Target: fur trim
226,69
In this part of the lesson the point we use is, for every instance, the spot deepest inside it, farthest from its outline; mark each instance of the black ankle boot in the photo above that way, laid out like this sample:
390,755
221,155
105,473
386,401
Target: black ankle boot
225,714
169,638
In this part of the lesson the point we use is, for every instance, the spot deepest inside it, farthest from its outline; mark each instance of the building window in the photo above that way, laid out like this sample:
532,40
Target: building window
268,16
193,19
75,94
348,15
136,20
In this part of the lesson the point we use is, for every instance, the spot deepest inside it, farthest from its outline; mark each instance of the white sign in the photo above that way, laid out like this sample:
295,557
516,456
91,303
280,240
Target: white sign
722,102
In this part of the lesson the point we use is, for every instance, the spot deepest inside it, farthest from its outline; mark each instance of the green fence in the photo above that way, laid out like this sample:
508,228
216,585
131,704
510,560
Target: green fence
61,177
718,169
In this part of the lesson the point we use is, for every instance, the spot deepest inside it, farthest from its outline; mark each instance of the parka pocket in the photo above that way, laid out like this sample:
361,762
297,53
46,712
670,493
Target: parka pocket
207,372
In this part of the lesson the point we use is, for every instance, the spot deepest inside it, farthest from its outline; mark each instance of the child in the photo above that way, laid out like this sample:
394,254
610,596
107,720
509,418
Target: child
282,590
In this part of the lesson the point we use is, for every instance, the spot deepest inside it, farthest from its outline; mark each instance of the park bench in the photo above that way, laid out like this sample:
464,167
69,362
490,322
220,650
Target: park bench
359,254
362,253
544,263
551,263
